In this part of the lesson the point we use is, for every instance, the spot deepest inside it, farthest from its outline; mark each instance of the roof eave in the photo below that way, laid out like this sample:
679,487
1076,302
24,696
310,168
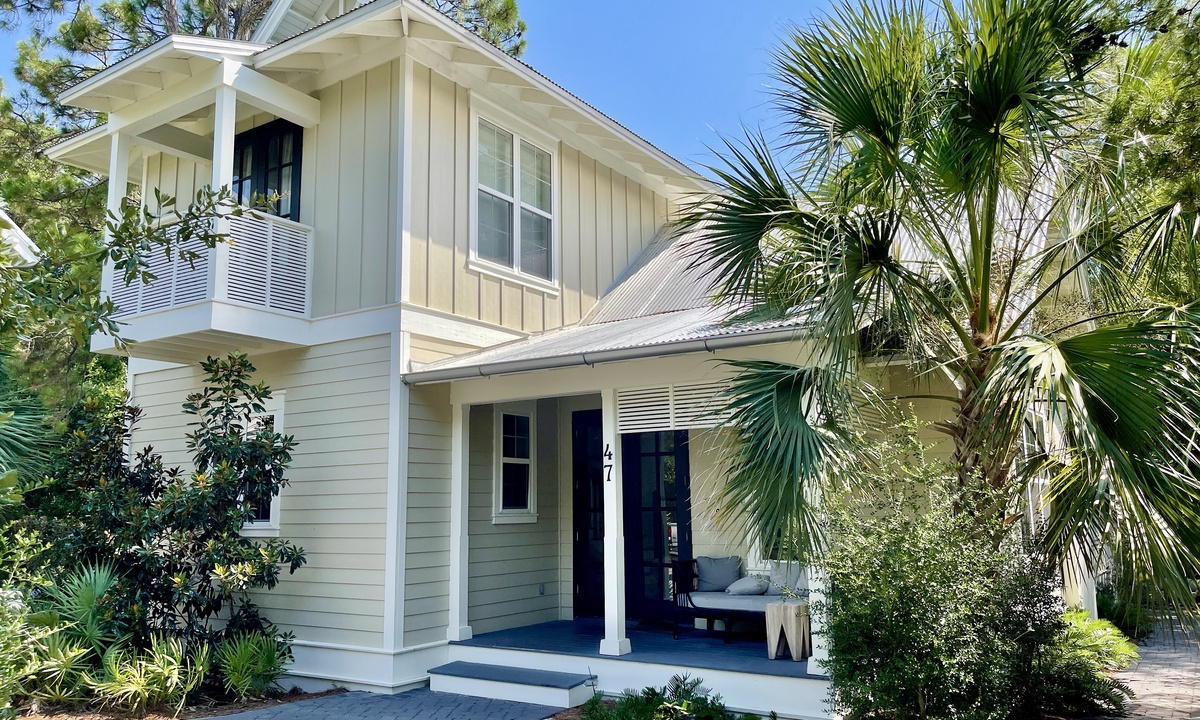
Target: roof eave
643,352
191,44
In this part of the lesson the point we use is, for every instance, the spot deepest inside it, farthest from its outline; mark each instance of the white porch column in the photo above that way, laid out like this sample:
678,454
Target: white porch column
460,437
224,128
118,187
614,642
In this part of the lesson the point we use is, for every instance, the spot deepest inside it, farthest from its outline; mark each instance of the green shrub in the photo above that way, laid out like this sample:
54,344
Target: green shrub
201,566
908,613
133,680
682,699
1125,610
1072,674
19,643
251,663
78,613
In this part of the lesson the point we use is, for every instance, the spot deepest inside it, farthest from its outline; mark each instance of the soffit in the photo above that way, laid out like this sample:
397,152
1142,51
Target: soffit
167,63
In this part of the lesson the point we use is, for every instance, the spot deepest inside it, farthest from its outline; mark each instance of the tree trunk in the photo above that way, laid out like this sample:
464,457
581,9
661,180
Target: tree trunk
170,15
221,19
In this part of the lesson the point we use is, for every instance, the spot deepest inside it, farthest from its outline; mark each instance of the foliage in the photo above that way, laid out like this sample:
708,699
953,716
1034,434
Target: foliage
928,617
174,539
19,643
133,680
909,612
1126,611
251,663
1073,673
682,699
944,190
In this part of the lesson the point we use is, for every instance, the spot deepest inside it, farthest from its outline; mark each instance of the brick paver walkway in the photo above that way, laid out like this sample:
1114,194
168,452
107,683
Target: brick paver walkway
1166,679
415,705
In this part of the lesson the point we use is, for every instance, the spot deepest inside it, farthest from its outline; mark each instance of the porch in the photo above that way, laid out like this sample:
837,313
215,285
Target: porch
740,672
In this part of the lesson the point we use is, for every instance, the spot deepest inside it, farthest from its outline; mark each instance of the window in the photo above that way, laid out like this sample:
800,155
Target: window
266,161
265,520
515,487
514,223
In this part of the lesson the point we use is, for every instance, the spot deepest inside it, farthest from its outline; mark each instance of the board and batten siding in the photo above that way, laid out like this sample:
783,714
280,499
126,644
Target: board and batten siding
336,406
427,539
513,569
352,176
604,220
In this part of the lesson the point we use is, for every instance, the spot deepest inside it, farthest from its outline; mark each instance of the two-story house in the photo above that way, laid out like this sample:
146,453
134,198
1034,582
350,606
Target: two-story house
496,364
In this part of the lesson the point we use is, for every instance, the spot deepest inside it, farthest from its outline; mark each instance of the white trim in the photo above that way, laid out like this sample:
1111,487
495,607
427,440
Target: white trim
522,132
429,322
615,641
274,407
528,514
404,256
397,487
460,493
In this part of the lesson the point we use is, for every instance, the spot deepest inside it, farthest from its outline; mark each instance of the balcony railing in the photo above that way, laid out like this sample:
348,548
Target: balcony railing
267,264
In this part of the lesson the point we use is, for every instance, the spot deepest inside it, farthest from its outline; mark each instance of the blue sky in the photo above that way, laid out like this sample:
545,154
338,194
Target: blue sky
676,72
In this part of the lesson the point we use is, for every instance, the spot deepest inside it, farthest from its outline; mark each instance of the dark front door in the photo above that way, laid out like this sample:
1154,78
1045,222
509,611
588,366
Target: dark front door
588,476
658,527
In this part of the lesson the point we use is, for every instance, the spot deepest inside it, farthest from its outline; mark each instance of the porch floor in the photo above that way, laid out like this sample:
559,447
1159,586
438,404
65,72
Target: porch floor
695,650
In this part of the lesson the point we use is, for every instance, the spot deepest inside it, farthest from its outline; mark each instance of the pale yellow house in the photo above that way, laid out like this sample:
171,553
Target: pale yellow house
497,366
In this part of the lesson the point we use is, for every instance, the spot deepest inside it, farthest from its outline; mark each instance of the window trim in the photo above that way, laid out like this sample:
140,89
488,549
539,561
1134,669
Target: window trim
521,131
259,138
270,527
501,516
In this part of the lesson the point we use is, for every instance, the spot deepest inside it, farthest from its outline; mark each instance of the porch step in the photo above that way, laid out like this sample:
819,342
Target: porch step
541,687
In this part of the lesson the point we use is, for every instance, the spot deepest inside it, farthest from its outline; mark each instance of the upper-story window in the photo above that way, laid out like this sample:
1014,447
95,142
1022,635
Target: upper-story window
514,221
266,161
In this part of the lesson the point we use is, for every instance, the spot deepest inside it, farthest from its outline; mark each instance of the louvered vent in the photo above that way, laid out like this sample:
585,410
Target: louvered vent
674,407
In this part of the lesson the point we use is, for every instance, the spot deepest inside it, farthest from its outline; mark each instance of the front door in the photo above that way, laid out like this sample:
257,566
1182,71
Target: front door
658,527
588,481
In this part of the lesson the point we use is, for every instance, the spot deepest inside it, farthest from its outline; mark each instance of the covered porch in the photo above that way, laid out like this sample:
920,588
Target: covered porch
572,493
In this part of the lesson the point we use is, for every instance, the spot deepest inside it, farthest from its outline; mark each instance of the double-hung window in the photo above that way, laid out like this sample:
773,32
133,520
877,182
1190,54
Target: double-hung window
514,491
514,221
266,166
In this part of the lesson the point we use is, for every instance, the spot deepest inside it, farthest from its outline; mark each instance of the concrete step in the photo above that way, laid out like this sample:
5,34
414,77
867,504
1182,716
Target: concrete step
541,687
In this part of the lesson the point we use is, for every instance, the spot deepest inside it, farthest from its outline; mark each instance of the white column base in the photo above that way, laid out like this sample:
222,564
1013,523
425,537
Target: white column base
457,634
616,647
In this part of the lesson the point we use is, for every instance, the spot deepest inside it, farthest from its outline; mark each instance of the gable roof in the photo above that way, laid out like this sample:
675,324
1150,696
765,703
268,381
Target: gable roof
660,306
16,242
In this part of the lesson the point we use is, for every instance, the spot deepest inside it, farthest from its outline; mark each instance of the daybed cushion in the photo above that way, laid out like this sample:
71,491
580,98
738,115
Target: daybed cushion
747,586
716,574
786,574
725,601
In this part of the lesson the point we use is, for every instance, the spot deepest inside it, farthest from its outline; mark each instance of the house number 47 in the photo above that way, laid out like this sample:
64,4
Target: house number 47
608,464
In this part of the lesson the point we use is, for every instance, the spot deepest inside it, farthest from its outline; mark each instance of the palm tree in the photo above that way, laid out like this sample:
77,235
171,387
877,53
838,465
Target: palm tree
942,186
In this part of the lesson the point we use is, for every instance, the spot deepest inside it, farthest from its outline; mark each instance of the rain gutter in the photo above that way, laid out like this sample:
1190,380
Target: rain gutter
642,352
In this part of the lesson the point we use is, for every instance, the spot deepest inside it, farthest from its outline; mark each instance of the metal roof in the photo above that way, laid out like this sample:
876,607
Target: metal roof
660,306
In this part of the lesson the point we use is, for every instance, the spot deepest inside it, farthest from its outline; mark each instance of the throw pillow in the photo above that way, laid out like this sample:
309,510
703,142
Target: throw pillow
749,585
716,574
786,574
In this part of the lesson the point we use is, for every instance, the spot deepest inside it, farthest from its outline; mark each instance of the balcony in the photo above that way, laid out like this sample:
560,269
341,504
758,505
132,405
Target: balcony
252,293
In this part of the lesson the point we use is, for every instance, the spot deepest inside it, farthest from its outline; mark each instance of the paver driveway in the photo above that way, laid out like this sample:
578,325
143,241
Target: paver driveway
415,705
1166,679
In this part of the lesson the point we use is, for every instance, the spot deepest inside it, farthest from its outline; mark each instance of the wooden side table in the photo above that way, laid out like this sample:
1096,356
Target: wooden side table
788,622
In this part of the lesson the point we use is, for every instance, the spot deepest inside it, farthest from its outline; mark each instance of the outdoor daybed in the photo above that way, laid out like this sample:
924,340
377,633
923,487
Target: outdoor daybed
712,589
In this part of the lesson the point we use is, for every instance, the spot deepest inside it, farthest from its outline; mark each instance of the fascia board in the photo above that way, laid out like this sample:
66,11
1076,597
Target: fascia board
60,150
303,41
208,48
427,14
422,12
